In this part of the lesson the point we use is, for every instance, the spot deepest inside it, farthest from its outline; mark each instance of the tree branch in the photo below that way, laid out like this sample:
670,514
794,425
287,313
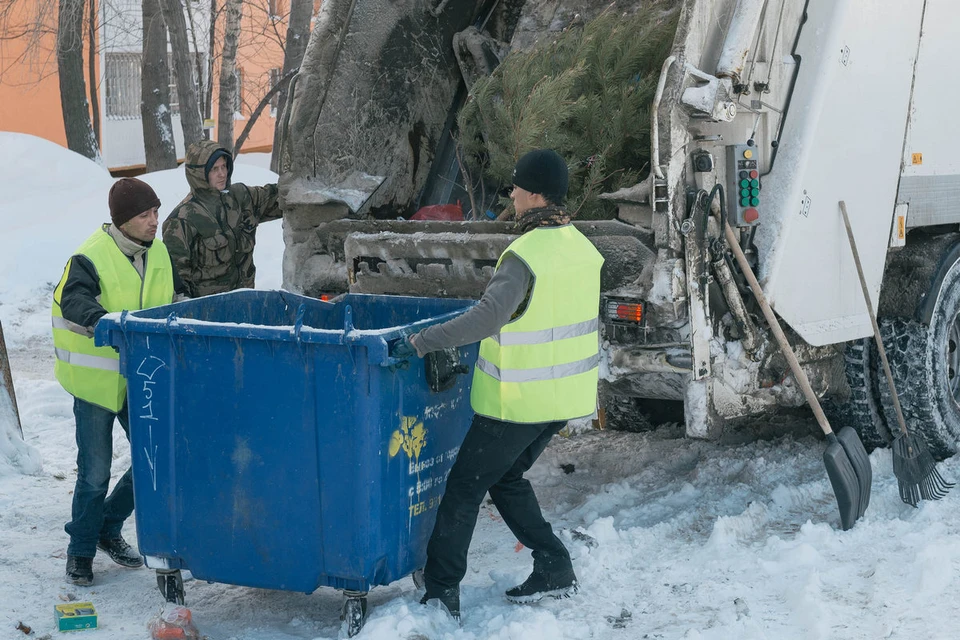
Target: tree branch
264,101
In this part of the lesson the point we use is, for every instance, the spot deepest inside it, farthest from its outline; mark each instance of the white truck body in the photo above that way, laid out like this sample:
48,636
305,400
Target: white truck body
790,105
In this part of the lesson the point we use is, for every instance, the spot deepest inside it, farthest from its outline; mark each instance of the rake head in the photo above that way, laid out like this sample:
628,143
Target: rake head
916,471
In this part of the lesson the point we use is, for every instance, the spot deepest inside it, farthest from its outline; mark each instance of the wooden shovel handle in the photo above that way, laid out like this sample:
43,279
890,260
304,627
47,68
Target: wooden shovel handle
873,319
785,347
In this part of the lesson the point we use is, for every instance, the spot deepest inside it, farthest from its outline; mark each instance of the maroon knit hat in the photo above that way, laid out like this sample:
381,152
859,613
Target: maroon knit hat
129,198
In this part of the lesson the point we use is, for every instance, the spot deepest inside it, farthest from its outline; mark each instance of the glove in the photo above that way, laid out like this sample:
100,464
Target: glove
402,349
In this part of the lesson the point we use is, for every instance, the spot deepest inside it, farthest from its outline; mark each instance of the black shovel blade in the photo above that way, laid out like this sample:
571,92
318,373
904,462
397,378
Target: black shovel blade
850,441
846,485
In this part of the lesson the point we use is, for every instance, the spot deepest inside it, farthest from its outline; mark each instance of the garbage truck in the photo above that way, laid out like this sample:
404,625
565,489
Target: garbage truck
766,114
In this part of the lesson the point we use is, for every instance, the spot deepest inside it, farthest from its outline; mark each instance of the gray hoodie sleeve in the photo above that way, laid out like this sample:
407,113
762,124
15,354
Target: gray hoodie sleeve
502,297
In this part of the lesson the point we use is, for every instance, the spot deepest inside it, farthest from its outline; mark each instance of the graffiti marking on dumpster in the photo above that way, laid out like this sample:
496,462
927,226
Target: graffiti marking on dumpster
411,436
147,370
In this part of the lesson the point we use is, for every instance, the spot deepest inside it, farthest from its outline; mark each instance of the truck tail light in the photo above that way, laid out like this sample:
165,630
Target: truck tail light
620,311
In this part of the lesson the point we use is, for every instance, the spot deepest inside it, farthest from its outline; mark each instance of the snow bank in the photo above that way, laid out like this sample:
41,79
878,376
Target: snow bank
53,199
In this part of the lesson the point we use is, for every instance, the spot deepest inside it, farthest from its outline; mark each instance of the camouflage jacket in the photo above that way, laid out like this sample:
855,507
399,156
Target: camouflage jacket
211,235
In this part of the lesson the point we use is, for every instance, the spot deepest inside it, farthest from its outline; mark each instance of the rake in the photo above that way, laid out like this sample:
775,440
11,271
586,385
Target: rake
914,467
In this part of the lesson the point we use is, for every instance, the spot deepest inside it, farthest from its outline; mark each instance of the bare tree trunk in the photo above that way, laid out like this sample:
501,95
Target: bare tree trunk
298,33
92,67
208,99
228,74
196,48
186,87
158,142
73,89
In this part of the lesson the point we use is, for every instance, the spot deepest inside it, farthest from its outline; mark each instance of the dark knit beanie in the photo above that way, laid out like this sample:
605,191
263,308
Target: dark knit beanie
129,198
543,171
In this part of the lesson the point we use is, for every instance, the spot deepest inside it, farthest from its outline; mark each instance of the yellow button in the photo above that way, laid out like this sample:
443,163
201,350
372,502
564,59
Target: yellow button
748,154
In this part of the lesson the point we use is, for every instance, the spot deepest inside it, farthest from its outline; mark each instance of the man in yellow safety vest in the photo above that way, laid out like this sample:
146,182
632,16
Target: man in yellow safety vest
537,323
120,267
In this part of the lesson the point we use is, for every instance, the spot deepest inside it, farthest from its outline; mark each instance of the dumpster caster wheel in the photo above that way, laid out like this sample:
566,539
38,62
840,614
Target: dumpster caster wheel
354,611
418,580
171,586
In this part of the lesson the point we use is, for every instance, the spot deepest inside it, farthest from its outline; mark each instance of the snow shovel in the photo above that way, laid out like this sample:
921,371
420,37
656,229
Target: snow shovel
915,468
847,463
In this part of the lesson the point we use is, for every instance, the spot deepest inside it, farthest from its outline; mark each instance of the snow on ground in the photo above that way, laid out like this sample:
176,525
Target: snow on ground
671,538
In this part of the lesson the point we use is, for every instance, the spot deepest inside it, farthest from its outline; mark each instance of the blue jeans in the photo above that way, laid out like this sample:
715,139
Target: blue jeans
95,515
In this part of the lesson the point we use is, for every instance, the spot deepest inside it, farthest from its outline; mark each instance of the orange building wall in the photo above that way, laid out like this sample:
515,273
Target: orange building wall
29,84
30,92
258,52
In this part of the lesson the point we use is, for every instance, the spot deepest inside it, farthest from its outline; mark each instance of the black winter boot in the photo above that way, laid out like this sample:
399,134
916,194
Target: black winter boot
449,598
542,585
79,571
120,552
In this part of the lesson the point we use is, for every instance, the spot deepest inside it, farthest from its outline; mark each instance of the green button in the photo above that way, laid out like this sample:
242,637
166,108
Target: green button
754,201
744,193
744,202
753,192
754,183
744,183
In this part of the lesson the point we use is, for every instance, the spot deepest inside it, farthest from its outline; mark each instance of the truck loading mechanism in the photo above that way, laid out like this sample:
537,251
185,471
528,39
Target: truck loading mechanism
789,105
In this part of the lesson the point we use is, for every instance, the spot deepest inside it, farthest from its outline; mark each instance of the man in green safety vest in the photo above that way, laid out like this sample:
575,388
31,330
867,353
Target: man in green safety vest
537,323
121,266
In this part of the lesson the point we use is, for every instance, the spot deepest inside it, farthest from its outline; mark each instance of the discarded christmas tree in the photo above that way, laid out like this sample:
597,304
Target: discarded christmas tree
586,93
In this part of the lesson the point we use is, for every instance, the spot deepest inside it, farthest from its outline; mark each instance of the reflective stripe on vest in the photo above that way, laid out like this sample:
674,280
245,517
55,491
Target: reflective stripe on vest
83,360
554,372
548,335
543,366
89,372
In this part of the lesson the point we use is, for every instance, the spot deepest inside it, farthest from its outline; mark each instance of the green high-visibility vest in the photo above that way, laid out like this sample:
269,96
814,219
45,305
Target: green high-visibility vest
543,366
93,373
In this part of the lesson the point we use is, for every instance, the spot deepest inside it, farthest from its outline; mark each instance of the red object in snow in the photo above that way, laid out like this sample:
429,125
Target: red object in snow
439,212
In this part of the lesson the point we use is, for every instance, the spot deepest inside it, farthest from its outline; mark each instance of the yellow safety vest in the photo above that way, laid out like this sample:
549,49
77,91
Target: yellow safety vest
93,373
543,366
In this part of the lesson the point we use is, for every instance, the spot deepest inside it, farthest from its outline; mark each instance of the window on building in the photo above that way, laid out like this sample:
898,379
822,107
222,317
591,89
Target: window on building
174,92
275,99
277,8
122,85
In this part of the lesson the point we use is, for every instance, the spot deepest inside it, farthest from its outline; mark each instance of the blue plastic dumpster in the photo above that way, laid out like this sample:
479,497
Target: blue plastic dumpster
275,443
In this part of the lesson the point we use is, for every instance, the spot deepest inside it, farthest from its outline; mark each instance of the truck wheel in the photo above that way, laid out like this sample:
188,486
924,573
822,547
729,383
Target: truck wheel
925,362
637,415
622,413
862,410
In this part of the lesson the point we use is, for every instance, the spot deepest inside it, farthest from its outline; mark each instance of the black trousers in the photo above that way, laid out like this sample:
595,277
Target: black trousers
493,457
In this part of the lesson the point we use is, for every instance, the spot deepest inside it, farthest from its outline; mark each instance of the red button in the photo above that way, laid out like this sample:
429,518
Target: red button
754,174
750,215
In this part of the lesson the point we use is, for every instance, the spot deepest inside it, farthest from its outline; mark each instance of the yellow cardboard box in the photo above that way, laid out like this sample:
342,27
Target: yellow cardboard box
75,616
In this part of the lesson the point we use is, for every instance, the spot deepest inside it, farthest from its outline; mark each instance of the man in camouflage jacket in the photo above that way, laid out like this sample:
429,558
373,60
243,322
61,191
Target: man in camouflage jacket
210,235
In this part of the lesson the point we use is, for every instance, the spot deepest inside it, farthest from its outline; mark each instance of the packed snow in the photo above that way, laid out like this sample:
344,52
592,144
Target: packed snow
671,537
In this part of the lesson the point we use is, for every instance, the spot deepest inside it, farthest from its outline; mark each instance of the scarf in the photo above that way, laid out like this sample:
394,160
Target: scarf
549,216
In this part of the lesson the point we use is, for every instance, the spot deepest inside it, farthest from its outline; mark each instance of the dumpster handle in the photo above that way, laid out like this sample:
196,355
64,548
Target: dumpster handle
171,319
298,324
348,328
347,320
